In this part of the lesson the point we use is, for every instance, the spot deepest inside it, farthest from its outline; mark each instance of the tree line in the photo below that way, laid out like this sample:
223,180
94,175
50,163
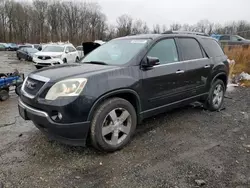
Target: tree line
42,21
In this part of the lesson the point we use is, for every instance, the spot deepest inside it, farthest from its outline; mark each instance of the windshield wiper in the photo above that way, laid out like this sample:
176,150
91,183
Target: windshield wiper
96,62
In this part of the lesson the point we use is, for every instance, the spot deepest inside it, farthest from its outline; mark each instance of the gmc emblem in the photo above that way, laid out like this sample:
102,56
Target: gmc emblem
30,85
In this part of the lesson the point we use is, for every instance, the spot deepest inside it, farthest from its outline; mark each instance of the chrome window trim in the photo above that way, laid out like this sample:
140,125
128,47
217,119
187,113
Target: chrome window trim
177,62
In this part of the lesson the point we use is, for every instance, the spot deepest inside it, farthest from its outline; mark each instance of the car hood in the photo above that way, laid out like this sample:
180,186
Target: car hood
49,53
60,72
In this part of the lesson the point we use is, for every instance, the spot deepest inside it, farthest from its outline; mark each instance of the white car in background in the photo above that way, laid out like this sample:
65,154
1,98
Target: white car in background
55,54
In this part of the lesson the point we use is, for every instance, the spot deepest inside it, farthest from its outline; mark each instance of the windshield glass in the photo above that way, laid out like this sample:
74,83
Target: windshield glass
53,49
31,50
116,52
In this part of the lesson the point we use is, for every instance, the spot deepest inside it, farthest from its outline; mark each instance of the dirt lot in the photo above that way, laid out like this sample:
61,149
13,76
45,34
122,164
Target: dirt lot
169,150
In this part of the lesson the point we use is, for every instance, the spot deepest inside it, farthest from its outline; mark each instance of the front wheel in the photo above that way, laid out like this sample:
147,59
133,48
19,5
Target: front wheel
113,125
216,96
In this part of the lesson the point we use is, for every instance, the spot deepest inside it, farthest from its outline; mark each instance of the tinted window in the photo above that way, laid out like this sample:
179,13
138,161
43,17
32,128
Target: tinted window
165,50
212,47
190,49
225,37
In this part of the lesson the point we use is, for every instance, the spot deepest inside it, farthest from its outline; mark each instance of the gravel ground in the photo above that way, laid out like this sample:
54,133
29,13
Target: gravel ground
170,150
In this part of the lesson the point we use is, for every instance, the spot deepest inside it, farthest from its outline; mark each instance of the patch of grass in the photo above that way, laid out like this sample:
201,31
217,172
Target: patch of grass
241,56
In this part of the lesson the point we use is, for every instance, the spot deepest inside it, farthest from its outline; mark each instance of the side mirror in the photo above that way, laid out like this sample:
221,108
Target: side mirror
239,39
67,51
150,62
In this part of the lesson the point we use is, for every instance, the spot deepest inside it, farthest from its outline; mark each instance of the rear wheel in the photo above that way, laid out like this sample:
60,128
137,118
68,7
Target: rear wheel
113,125
4,95
216,96
64,60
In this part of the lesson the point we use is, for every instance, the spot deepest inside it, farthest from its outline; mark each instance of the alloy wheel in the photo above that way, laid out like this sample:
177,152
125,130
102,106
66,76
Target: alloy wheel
116,126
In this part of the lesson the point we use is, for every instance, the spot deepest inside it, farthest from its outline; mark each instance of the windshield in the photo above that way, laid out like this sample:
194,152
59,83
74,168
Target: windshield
53,49
31,50
116,52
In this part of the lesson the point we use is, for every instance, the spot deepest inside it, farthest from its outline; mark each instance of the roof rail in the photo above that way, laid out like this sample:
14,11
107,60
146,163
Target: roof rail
185,32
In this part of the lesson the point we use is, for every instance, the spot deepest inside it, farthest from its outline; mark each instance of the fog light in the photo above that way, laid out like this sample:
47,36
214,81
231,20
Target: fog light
56,116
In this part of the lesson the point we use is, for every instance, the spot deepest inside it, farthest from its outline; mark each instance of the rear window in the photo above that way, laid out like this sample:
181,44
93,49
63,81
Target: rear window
190,49
212,47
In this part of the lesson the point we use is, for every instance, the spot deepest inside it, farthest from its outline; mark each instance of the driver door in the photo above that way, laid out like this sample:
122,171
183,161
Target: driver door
164,83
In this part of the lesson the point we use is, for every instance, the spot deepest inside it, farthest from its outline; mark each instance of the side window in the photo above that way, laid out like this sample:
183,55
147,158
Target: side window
235,38
165,50
72,49
225,37
190,49
212,47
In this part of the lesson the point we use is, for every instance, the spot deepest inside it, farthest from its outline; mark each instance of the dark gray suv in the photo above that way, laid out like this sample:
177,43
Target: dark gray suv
122,82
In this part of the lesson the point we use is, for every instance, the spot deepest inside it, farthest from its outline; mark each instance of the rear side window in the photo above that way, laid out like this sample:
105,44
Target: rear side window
165,50
190,49
225,37
212,47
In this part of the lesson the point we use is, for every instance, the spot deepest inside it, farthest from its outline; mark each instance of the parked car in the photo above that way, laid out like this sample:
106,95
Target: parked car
12,47
26,53
25,46
55,55
121,83
5,45
2,47
231,39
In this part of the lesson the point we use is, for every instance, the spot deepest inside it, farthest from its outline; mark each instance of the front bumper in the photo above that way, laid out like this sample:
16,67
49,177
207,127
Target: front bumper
71,133
48,62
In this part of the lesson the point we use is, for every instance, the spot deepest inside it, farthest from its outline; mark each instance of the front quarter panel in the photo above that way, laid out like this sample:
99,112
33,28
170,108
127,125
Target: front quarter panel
98,85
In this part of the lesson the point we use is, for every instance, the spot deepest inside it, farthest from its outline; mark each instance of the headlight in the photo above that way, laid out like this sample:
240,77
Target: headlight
35,56
66,88
58,56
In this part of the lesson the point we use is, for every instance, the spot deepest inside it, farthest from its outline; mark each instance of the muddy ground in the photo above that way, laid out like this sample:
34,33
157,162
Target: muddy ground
170,150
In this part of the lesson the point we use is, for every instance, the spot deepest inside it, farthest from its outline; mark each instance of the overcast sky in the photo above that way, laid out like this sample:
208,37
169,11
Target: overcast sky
180,11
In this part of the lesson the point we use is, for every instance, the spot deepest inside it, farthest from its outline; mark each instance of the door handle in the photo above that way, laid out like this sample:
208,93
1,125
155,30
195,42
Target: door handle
179,71
207,66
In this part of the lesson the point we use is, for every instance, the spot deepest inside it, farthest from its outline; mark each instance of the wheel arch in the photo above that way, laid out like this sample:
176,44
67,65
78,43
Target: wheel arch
127,94
222,76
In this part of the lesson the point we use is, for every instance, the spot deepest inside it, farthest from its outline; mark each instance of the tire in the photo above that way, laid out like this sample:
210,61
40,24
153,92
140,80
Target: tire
38,67
213,104
4,95
104,141
18,89
64,60
77,59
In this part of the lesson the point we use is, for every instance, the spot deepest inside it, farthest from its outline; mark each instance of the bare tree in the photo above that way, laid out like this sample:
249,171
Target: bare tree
175,27
41,9
124,25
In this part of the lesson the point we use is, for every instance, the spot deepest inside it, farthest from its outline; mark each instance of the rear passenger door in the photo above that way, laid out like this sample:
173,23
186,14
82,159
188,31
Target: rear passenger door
197,64
164,83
